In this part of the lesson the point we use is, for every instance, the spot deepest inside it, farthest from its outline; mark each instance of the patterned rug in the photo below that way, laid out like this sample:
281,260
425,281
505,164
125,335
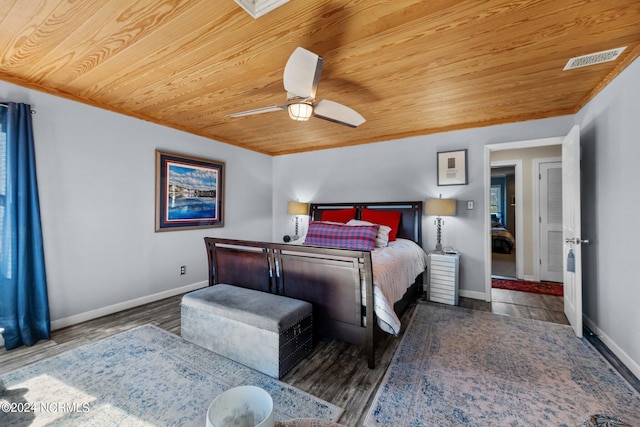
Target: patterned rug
546,288
142,377
459,367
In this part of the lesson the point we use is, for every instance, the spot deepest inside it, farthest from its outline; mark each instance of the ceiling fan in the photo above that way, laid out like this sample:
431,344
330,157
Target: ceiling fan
301,77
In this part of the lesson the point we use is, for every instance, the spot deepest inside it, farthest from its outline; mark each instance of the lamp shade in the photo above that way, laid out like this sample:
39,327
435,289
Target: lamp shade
300,112
297,208
441,207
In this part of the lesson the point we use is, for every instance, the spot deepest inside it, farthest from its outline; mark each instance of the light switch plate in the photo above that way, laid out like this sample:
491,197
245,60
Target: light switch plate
469,204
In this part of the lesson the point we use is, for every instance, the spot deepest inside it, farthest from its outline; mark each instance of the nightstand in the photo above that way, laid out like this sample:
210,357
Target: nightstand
442,278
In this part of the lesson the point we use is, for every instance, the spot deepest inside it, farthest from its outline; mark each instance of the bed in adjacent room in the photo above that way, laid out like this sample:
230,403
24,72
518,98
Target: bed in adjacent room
501,239
358,262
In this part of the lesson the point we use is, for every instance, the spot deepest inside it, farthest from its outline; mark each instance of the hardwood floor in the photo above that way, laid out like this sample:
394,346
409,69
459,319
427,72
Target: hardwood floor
503,264
527,305
336,371
520,304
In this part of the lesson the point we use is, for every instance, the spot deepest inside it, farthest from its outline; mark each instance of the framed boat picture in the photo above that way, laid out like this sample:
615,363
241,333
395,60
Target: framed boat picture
189,192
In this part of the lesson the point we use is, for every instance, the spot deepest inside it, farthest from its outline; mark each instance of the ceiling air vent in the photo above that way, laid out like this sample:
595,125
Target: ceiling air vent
594,58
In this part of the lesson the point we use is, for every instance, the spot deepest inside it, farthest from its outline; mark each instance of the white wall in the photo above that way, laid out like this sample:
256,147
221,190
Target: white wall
96,174
403,170
610,141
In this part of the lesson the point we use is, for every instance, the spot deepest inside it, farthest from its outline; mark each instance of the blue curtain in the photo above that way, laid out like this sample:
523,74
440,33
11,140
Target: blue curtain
24,305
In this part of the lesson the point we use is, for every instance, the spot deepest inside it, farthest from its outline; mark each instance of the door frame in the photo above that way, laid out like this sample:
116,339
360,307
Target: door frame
519,183
531,143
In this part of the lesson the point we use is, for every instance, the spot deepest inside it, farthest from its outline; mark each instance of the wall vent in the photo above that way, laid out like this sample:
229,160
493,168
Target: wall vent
594,58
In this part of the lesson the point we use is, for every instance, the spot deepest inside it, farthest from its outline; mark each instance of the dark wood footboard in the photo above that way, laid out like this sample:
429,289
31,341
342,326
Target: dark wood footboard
333,280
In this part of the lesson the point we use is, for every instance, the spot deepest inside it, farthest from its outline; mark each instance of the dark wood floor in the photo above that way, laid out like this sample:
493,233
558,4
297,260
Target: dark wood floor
503,264
527,305
521,304
335,371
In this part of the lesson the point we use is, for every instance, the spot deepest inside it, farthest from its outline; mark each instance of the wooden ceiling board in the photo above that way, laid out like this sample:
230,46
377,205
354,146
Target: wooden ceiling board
410,67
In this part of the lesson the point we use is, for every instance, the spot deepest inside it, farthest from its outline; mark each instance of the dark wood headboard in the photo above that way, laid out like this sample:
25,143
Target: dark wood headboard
410,222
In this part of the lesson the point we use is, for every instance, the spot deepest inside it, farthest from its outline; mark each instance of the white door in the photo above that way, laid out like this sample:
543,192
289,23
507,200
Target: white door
571,224
551,247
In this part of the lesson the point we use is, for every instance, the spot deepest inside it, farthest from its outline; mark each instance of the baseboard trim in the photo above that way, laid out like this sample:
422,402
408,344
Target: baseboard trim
103,311
472,294
614,354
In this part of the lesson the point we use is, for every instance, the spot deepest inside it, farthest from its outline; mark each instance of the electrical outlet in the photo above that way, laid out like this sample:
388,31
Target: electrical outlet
183,270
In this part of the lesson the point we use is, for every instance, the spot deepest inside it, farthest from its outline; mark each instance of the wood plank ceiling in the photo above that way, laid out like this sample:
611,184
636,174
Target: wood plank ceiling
410,67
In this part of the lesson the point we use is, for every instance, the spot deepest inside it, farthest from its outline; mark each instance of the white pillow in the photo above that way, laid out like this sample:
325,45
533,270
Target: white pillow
382,238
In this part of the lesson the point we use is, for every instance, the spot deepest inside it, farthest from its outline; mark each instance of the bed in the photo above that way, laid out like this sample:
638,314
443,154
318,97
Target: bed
352,290
502,240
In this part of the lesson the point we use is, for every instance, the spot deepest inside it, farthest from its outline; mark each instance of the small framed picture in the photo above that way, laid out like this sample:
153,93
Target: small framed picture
189,192
452,167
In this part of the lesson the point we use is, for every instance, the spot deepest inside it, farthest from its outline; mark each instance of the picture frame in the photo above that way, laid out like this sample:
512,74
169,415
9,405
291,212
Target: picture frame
452,167
189,192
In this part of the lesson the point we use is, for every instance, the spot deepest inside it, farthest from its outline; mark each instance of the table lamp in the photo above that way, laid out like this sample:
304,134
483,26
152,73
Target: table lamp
296,209
440,207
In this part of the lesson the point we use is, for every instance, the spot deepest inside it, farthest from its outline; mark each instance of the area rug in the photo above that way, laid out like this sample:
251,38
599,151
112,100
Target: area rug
546,288
142,377
460,367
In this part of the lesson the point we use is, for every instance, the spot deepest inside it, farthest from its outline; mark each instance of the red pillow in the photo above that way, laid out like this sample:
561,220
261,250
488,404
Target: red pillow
388,218
339,215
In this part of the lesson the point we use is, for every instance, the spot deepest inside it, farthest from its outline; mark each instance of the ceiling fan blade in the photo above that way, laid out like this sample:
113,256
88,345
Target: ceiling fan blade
337,113
258,111
302,73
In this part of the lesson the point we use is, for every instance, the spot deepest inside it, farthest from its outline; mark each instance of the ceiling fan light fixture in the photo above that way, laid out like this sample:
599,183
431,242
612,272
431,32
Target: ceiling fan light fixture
300,112
300,80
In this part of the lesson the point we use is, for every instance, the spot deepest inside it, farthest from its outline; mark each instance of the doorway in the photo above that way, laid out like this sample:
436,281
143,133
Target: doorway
514,177
522,157
503,220
571,219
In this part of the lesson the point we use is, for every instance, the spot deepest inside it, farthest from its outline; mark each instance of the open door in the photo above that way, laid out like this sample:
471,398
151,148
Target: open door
571,226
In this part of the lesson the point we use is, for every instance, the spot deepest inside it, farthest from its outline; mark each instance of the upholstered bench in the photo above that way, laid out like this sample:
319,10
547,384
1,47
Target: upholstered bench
266,332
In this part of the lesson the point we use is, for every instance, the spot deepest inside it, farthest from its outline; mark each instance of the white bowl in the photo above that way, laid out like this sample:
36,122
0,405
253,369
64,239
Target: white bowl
244,406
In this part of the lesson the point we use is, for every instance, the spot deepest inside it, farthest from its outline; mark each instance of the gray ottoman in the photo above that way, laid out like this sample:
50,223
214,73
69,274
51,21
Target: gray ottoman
266,332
